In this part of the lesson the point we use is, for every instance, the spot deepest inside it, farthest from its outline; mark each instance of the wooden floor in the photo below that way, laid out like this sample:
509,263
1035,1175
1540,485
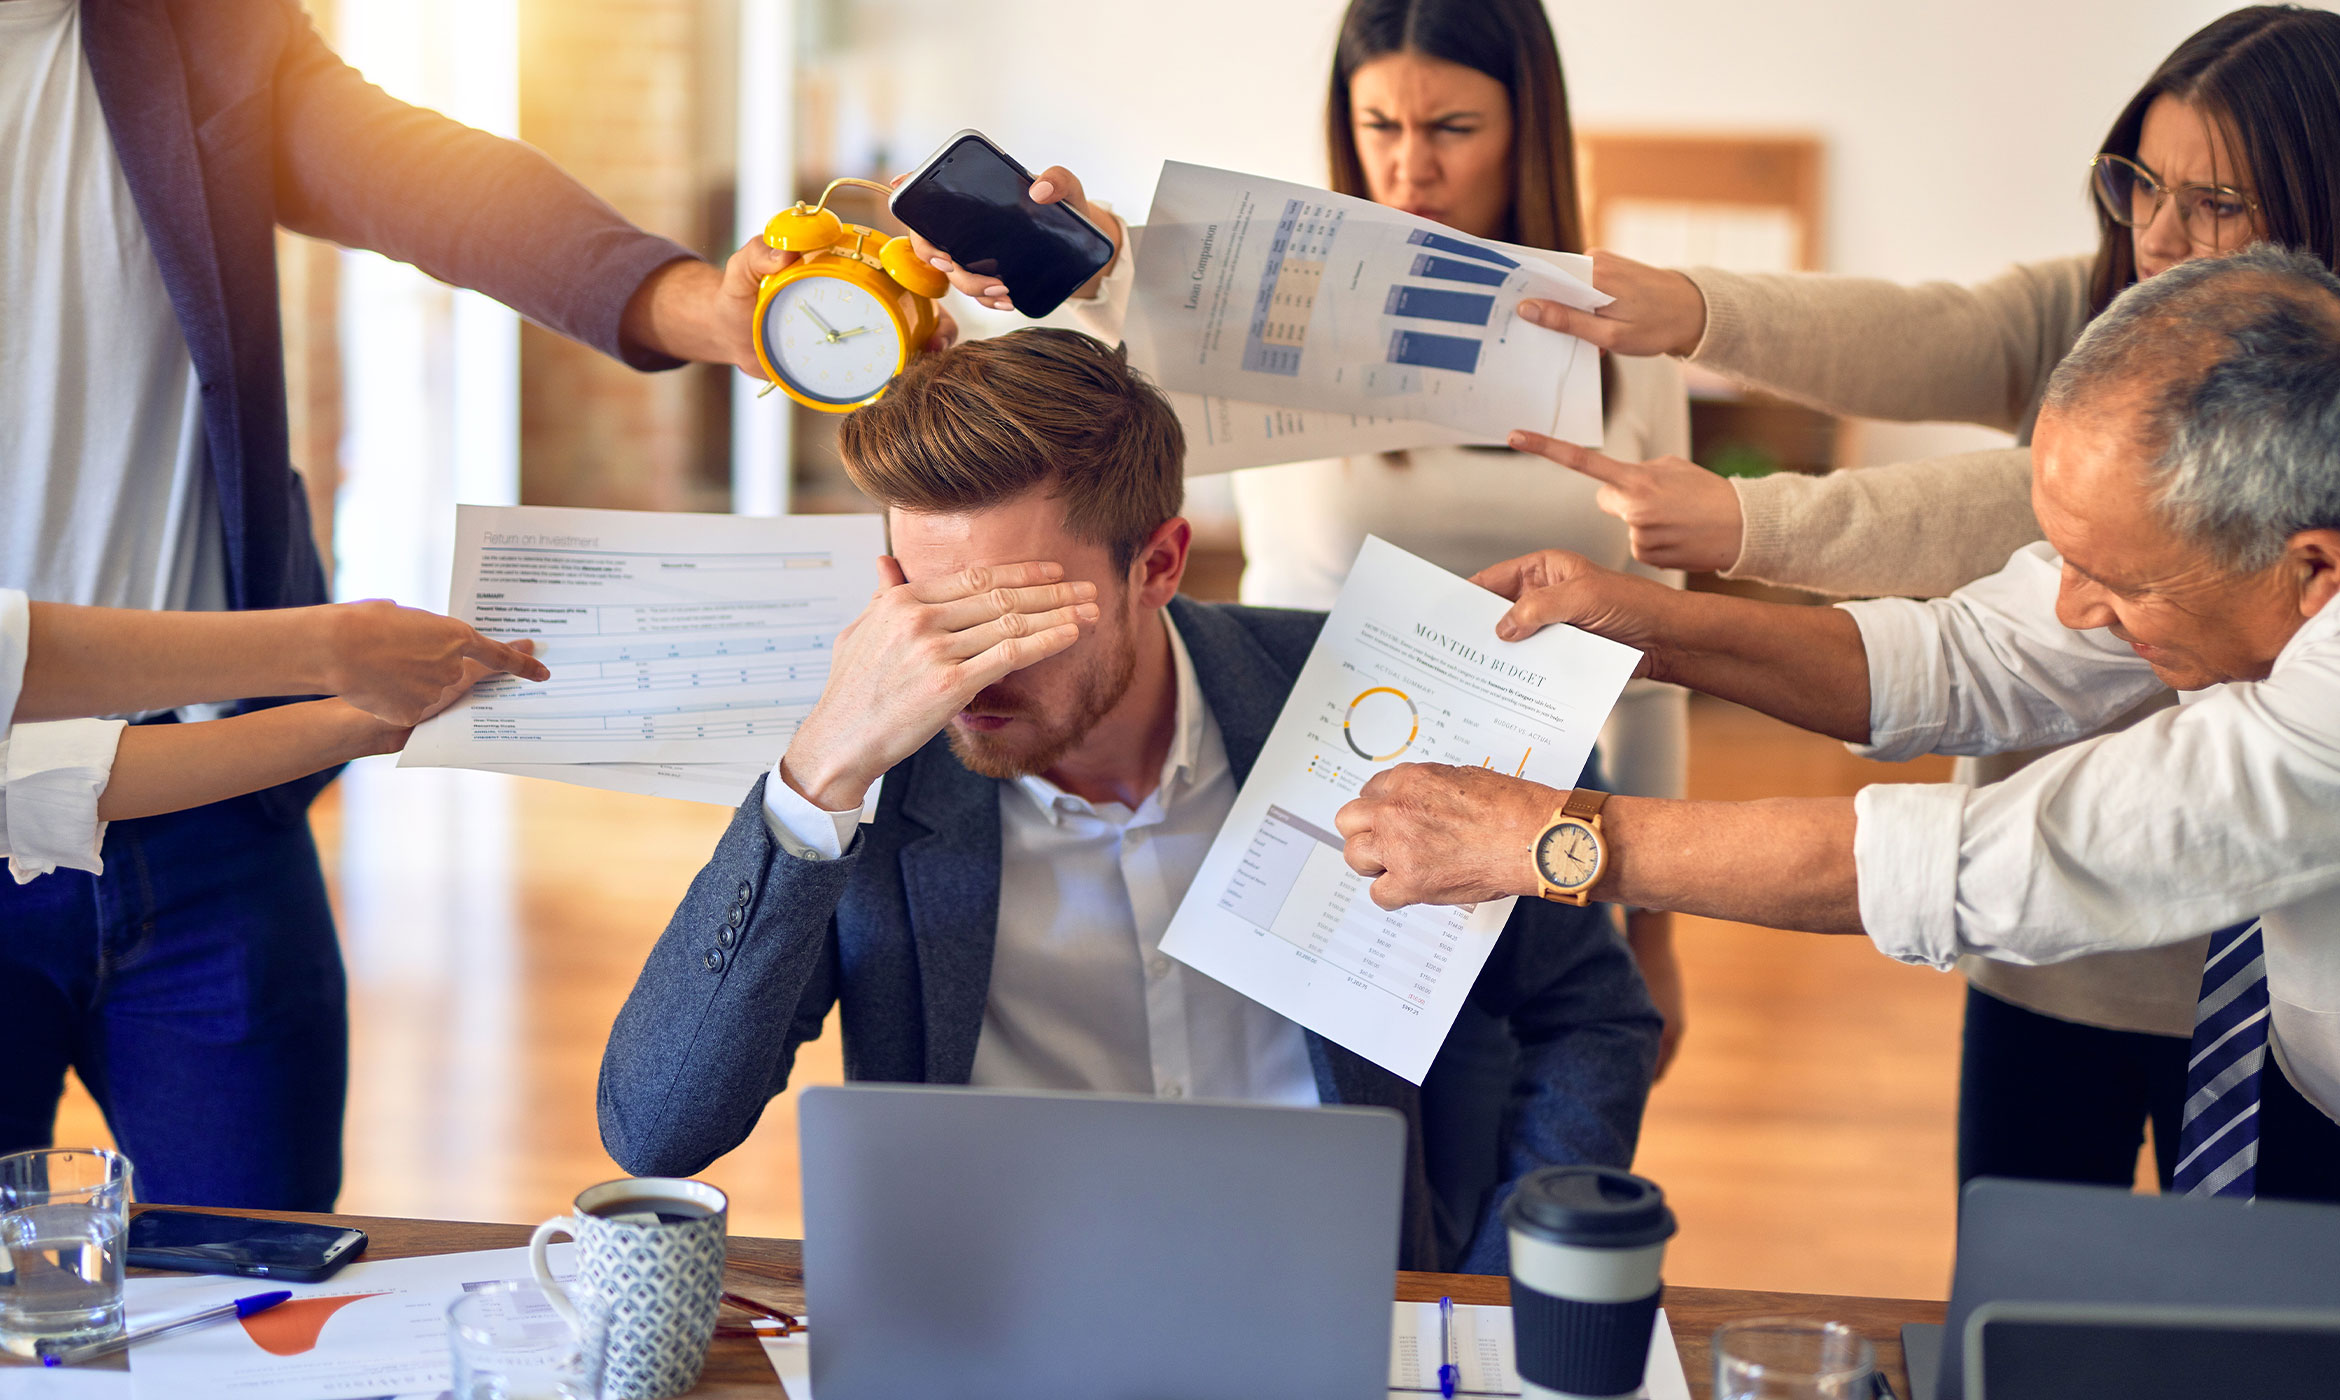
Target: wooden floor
493,925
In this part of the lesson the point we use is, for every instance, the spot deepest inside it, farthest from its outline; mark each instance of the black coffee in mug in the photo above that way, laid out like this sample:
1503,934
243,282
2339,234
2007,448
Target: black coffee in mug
650,1210
1587,1244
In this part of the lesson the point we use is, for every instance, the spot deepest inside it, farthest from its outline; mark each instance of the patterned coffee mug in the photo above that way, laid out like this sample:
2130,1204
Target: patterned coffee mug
650,1260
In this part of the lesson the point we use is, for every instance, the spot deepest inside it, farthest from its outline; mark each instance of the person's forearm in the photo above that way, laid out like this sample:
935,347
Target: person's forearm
98,661
172,767
1785,862
677,312
1805,665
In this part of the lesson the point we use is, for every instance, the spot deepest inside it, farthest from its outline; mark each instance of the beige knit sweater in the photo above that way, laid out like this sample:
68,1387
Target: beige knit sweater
1874,349
1937,352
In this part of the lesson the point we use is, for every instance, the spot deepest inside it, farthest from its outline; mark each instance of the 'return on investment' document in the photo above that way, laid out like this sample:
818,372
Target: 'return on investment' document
1407,670
684,649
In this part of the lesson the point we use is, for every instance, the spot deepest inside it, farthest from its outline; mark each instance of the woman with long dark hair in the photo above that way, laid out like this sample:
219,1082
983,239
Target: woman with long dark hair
2234,139
1454,110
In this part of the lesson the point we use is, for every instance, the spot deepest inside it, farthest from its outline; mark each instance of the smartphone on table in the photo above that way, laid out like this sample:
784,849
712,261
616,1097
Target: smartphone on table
973,200
196,1243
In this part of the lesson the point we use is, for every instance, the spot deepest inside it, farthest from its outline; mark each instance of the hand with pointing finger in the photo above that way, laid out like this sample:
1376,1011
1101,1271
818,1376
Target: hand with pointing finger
1657,310
916,656
402,665
1553,585
1679,515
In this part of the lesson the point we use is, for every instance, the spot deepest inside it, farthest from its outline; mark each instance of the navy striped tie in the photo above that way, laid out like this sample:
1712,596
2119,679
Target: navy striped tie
2218,1141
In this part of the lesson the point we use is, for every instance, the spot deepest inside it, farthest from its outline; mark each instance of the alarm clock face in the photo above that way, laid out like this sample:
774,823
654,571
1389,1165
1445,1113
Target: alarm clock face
834,342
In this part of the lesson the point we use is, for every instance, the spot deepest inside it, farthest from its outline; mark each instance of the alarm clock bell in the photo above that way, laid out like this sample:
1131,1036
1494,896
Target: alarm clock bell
833,328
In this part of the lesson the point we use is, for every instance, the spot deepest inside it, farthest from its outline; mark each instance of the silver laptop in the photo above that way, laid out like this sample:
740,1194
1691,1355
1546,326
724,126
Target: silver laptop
2032,1242
2145,1351
987,1246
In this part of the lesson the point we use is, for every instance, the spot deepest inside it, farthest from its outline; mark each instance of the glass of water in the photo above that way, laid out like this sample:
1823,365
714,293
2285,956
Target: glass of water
509,1344
63,1212
1787,1358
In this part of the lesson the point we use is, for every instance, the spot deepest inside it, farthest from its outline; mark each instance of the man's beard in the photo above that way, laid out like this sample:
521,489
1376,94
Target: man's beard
1103,682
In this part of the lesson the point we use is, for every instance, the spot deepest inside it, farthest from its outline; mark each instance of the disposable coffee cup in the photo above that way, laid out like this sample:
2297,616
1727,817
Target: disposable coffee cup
1587,1244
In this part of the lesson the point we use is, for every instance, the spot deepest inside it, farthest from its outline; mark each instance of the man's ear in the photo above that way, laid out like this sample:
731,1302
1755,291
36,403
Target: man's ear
2316,556
1160,565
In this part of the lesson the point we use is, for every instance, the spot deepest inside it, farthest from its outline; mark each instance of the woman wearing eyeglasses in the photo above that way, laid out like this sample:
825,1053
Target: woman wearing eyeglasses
2234,139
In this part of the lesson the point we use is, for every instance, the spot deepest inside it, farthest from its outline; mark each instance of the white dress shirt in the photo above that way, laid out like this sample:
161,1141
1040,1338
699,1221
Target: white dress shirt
1081,995
51,775
106,497
2225,808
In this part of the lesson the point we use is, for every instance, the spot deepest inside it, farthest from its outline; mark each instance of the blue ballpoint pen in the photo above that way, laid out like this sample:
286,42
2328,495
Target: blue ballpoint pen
90,1351
1449,1374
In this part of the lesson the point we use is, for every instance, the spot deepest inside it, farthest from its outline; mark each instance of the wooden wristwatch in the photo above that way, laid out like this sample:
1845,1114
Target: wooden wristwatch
1569,854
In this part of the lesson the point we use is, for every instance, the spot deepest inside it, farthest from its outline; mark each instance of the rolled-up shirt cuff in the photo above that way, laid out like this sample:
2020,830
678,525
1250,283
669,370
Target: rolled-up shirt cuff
803,830
1908,678
1906,842
51,776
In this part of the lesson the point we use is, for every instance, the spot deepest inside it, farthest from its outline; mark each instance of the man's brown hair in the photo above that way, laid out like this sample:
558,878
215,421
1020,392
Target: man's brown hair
986,421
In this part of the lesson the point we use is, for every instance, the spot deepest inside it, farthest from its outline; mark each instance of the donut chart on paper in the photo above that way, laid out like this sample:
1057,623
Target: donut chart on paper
1381,724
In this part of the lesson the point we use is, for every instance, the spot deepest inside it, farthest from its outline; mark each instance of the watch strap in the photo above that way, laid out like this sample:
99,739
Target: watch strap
1583,804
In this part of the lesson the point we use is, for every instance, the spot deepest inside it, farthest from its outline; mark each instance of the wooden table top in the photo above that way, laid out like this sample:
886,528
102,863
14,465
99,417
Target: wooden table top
772,1271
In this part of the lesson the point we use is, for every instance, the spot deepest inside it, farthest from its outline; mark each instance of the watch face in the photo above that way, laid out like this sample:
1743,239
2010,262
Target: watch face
831,340
1568,855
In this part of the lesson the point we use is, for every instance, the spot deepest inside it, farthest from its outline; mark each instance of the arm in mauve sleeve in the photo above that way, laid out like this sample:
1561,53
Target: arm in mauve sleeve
1913,530
1870,348
358,167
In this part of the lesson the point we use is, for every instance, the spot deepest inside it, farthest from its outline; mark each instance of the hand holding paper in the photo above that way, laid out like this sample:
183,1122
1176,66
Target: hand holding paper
1408,669
1455,823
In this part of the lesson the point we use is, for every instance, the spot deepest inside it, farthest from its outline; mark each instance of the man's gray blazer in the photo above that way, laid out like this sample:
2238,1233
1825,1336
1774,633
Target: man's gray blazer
897,937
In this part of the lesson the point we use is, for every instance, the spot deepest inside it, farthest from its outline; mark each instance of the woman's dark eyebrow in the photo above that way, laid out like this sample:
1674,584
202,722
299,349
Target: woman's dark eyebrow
1375,114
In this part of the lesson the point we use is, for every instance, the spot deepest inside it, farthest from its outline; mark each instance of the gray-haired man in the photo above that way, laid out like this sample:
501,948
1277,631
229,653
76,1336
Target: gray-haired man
2188,482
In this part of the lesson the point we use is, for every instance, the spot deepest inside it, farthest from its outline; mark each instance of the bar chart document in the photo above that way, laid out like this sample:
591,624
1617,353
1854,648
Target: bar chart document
1407,670
1225,435
684,649
1264,292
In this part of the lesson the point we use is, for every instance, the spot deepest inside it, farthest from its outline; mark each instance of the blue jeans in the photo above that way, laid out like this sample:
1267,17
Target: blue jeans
197,990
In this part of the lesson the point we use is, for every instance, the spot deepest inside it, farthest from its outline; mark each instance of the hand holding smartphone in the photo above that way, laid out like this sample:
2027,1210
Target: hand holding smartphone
973,201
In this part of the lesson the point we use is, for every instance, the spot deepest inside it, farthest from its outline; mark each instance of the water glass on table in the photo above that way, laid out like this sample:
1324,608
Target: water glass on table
509,1344
1785,1358
63,1214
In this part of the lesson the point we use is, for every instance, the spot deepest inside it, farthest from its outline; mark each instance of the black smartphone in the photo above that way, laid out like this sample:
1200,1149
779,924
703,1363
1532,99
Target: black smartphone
972,200
195,1243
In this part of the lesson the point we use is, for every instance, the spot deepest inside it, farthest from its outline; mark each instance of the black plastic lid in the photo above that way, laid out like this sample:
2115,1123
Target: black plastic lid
1593,1207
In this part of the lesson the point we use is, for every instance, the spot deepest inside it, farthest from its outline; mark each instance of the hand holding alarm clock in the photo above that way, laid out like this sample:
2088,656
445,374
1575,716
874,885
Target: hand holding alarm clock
833,328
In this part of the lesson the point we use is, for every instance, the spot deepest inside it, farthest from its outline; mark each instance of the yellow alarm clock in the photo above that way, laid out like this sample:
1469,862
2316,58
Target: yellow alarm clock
833,328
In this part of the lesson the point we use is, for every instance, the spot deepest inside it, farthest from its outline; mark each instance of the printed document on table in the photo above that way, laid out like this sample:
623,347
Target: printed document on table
377,1328
1407,670
1265,292
1483,1353
672,639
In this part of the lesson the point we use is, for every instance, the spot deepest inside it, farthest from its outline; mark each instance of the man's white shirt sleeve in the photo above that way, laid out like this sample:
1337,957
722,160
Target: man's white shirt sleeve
51,775
2221,809
803,830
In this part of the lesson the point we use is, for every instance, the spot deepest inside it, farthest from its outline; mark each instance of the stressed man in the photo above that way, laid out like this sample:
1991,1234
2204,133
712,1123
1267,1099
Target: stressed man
2188,480
1060,736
